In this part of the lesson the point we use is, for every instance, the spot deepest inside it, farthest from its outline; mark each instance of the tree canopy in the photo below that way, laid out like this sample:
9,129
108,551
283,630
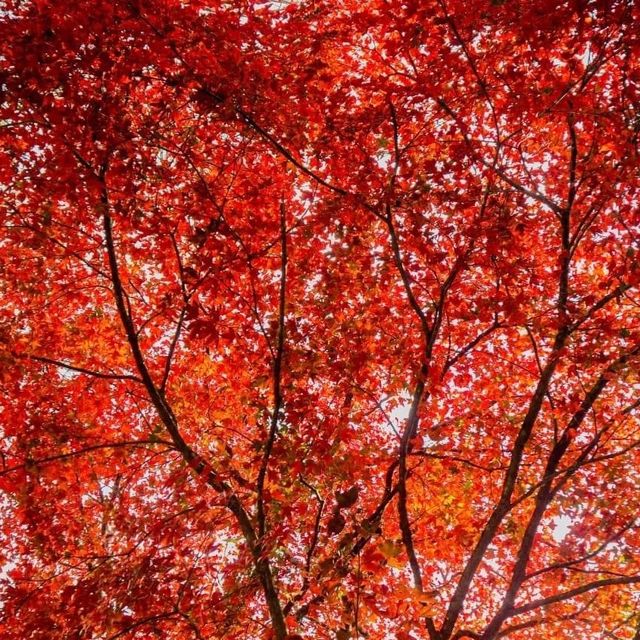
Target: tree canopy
319,319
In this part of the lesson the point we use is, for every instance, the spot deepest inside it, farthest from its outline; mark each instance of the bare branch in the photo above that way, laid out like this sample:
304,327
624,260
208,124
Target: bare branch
77,369
79,452
572,593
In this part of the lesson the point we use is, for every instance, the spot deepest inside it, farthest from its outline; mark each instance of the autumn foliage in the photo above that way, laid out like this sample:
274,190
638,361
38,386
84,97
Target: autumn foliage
319,319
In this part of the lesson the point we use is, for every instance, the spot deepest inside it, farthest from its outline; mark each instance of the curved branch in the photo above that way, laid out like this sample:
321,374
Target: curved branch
572,593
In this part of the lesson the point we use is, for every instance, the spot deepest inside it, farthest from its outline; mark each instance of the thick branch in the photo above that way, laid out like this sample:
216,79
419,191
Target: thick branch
546,493
169,420
509,483
503,506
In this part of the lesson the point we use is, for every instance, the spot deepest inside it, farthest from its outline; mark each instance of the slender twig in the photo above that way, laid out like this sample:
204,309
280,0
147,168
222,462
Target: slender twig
547,492
172,348
78,369
277,375
72,454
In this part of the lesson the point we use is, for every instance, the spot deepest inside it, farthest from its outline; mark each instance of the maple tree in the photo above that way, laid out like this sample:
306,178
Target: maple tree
320,320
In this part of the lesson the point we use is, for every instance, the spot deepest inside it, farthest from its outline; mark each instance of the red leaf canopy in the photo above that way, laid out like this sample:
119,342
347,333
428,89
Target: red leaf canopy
319,320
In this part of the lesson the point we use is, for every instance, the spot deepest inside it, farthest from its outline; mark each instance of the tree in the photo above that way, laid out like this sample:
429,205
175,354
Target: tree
320,319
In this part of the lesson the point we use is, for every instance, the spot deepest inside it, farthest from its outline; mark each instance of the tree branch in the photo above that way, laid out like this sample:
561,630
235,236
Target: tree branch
77,369
211,477
572,593
277,375
79,452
